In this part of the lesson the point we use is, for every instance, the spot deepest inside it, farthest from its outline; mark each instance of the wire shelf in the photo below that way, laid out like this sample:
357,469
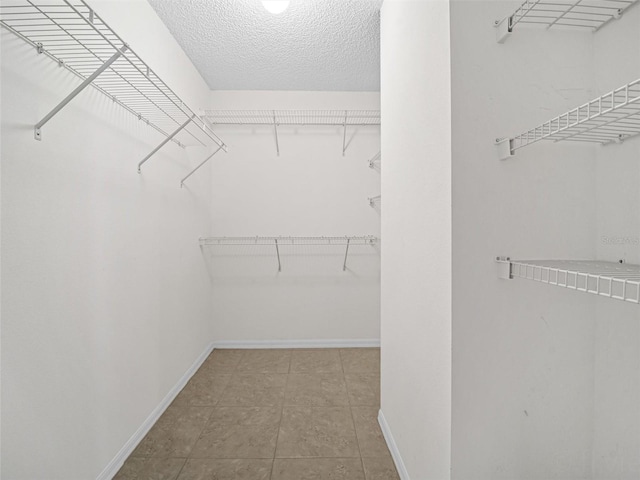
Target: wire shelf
572,14
358,240
620,281
610,118
72,34
278,242
294,117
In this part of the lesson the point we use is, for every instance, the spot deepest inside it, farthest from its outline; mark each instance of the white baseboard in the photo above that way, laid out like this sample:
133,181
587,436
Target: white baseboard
393,448
331,343
114,465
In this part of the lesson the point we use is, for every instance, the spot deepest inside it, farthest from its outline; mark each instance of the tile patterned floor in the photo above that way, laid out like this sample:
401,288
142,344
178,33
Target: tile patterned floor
301,414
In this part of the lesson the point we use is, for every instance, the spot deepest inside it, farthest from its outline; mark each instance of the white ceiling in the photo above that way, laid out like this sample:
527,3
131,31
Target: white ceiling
327,45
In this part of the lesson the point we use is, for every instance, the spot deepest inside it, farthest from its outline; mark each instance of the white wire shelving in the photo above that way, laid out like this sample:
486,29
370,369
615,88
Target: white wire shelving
619,281
572,14
277,118
72,34
613,117
279,242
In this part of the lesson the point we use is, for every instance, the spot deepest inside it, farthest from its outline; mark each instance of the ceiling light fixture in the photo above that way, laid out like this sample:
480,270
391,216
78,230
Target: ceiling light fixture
276,6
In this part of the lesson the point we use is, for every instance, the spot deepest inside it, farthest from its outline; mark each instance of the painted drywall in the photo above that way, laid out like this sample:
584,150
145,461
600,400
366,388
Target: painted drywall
309,190
105,296
523,352
416,228
616,447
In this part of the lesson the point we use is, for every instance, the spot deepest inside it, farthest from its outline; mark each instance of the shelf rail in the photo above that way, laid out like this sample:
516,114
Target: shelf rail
619,281
613,117
72,34
574,14
279,242
277,118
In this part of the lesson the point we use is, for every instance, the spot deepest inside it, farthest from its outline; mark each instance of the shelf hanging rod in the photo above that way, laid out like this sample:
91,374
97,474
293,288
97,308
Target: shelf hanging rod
166,140
78,89
195,169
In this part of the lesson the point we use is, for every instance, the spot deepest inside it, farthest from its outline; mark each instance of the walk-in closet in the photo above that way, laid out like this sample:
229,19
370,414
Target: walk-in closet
199,279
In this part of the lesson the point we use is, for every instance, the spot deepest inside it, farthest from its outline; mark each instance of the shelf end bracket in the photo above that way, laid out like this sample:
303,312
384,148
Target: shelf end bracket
166,140
201,164
504,268
346,254
87,81
505,148
504,28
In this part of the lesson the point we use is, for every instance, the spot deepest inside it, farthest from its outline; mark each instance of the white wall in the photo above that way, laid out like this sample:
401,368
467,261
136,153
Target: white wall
616,448
529,361
104,291
309,190
416,228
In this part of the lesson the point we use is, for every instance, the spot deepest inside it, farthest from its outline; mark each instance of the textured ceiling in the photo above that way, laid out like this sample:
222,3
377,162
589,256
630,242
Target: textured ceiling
313,45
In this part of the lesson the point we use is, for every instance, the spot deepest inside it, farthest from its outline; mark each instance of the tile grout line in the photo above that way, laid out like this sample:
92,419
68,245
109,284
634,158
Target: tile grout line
353,421
284,395
189,456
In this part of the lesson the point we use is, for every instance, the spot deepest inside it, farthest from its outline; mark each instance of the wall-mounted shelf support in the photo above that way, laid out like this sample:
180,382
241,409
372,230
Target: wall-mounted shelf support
374,201
275,131
165,141
196,169
346,254
576,14
344,133
279,118
278,254
619,281
88,81
375,160
611,118
280,242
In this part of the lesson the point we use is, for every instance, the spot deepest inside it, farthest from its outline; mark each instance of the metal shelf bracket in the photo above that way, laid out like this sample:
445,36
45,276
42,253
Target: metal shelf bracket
346,253
275,131
278,254
165,141
78,89
344,135
505,148
504,29
195,169
504,267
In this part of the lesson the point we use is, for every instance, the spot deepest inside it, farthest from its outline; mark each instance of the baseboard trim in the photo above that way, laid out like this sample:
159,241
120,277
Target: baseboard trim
393,448
331,343
114,465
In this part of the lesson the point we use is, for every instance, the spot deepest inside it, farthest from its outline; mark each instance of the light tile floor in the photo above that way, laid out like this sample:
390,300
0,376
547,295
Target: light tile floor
271,415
